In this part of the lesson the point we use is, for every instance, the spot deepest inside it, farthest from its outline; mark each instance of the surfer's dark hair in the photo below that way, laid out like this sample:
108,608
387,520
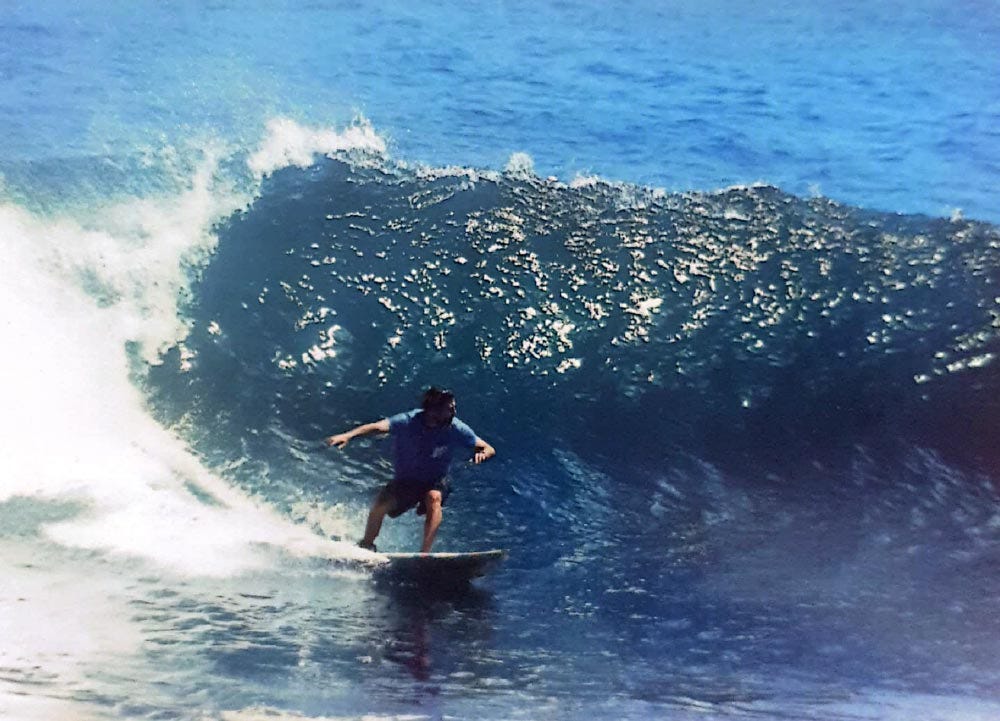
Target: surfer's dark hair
435,397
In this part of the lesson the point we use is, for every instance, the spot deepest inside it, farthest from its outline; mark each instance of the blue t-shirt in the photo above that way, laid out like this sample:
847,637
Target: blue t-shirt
421,454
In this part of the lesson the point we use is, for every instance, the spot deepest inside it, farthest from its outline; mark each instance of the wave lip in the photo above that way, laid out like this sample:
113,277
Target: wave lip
289,144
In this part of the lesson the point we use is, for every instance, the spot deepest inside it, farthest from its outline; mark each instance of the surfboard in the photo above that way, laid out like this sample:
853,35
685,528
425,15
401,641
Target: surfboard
441,567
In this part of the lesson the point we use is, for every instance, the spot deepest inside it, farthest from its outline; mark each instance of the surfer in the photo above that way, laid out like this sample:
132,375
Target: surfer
423,443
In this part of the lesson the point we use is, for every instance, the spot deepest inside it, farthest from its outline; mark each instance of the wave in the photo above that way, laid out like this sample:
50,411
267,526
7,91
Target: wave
609,333
745,322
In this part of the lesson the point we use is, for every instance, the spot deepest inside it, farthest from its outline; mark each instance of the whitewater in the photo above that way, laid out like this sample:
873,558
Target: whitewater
720,286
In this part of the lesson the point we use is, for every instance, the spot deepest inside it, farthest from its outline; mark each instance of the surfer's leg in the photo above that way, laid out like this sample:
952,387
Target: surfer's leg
432,505
384,502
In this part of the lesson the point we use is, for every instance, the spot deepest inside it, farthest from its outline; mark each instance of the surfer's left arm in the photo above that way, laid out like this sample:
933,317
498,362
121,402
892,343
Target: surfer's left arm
484,451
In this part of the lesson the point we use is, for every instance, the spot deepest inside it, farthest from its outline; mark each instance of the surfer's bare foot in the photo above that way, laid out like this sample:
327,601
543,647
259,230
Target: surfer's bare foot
367,545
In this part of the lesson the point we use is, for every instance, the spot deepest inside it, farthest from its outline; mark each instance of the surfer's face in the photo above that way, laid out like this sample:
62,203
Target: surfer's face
440,416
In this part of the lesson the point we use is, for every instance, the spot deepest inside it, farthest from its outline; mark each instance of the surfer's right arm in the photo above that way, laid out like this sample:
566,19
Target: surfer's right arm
340,440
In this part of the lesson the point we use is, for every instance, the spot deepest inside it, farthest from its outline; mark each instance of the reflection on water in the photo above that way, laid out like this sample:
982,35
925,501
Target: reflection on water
436,632
318,641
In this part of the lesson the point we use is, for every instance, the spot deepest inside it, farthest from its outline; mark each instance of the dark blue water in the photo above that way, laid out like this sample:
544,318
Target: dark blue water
719,283
747,325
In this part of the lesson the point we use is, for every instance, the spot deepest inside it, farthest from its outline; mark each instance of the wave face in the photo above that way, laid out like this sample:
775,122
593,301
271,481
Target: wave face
744,324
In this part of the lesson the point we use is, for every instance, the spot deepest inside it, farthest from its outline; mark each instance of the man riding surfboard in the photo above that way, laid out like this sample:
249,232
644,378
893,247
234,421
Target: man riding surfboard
424,441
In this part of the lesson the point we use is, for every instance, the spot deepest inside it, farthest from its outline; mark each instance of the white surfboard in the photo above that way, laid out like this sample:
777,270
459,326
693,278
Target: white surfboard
452,567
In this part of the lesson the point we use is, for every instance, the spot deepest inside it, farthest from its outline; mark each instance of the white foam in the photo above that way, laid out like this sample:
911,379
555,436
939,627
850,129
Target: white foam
75,292
472,175
586,181
520,165
287,144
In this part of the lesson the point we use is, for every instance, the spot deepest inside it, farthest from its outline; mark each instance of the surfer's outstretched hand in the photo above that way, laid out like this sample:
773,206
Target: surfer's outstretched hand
340,440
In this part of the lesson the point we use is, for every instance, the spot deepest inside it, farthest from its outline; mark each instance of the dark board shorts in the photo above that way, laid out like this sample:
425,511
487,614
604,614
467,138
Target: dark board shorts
404,495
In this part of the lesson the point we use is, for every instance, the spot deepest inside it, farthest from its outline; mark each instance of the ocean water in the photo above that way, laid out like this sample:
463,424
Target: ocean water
721,283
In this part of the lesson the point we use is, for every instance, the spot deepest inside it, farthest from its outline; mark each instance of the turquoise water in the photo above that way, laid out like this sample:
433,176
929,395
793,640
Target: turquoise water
891,106
719,283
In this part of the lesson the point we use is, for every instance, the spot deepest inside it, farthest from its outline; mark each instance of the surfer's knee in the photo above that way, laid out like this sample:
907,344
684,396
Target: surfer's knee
384,500
433,499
